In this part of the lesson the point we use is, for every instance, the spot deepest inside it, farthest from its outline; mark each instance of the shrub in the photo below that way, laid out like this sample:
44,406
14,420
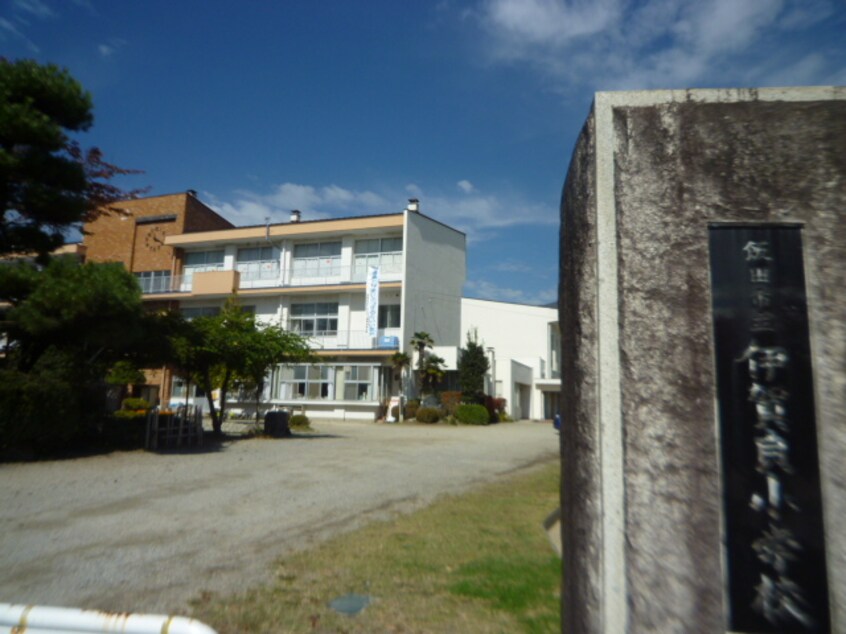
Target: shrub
499,404
300,421
428,415
411,408
450,400
472,414
135,404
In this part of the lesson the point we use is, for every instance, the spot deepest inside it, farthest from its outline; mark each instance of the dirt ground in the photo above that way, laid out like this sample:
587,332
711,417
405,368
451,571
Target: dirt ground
145,532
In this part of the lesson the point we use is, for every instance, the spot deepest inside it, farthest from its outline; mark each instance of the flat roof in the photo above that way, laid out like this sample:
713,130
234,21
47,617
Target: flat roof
281,230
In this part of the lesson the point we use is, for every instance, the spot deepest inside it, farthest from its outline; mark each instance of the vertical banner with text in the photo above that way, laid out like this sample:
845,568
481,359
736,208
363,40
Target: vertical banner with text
372,301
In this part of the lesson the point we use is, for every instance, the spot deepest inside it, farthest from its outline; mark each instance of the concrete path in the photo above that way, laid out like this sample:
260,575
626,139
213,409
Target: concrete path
137,531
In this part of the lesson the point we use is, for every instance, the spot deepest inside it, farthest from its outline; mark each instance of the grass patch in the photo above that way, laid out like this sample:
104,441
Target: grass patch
478,562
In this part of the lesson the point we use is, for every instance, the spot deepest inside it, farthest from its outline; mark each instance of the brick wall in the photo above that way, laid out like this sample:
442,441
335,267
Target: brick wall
115,236
198,217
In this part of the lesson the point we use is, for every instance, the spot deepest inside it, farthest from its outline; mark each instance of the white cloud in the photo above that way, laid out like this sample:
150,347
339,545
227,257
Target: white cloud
465,186
9,30
614,44
477,214
36,8
483,289
109,48
316,203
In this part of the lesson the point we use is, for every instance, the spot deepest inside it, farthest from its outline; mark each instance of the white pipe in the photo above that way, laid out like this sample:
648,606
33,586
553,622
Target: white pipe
39,619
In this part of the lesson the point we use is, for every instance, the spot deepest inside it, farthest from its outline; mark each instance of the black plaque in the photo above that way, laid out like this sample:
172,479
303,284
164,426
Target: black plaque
770,469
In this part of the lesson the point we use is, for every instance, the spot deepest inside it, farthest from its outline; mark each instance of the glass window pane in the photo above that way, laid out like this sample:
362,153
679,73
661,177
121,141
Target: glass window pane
247,255
392,244
330,249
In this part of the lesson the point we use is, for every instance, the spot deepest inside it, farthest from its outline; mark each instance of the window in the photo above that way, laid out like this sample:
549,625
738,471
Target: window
192,312
358,383
256,254
385,253
315,382
317,259
315,319
258,263
389,316
208,260
154,281
306,381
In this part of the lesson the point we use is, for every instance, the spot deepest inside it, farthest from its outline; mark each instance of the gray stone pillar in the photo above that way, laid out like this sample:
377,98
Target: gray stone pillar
641,492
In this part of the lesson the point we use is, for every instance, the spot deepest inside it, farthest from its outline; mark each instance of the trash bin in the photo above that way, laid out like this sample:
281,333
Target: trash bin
276,424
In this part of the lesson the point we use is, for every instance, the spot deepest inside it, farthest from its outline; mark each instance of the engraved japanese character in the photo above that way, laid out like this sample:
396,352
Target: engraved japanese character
759,275
769,406
756,251
762,298
775,501
764,360
776,548
781,601
773,452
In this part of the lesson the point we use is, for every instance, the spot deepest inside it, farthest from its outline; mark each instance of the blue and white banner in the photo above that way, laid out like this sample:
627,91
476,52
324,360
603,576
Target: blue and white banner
372,300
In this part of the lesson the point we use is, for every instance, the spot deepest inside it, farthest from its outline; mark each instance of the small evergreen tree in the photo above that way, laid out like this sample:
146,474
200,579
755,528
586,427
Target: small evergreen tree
472,368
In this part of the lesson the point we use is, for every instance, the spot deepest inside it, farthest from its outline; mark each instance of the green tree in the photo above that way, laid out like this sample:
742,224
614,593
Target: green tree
220,350
421,341
472,368
48,183
266,347
66,326
432,371
399,362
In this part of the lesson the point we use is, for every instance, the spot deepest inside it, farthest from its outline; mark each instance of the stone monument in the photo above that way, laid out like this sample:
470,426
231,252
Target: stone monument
703,319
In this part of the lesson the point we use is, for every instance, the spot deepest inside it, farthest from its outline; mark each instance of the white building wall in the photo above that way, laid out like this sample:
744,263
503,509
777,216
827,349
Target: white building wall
517,333
434,273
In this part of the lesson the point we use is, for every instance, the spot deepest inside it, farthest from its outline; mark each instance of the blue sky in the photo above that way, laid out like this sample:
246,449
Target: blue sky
341,108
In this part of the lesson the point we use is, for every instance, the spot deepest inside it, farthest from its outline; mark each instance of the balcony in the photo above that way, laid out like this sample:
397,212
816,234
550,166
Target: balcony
269,275
386,339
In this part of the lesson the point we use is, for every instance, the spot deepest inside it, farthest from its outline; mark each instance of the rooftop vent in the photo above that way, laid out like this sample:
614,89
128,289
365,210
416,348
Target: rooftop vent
295,215
413,205
191,192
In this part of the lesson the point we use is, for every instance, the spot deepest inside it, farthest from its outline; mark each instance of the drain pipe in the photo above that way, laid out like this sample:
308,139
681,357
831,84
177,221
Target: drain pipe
39,619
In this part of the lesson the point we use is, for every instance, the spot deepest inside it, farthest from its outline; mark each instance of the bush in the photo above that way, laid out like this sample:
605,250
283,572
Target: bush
428,415
472,414
300,421
411,408
135,404
450,401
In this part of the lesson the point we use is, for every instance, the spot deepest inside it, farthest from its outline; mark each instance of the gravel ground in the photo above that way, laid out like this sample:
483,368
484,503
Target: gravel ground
144,532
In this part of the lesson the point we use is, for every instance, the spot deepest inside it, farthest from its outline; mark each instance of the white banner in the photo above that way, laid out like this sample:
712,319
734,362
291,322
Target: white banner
372,300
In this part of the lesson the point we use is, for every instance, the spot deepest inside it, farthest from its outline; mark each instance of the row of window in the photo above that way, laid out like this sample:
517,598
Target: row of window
310,250
313,319
315,382
331,382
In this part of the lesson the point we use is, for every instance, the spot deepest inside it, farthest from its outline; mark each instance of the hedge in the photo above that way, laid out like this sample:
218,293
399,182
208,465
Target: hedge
472,414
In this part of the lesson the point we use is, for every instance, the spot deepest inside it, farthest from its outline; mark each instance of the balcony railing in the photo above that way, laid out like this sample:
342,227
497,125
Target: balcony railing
274,277
386,339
